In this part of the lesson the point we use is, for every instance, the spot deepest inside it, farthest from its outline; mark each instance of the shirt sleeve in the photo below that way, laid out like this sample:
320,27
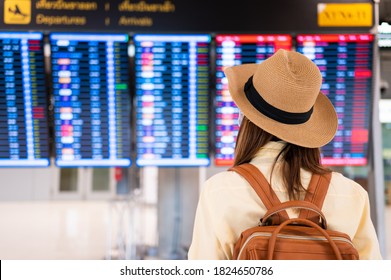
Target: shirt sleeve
365,239
205,244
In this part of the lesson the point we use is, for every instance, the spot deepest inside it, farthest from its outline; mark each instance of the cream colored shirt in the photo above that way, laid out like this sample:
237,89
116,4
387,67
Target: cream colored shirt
228,205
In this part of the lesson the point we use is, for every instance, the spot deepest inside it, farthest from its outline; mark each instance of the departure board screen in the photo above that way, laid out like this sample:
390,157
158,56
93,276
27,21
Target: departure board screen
234,50
345,62
172,92
23,101
90,76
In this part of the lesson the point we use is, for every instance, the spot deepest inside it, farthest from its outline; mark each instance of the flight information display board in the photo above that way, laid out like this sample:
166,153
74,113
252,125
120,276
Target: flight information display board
90,76
172,92
23,101
345,62
234,50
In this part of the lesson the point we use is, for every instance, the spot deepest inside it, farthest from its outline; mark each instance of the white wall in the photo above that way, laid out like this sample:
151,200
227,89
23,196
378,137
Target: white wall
54,230
39,222
25,184
36,222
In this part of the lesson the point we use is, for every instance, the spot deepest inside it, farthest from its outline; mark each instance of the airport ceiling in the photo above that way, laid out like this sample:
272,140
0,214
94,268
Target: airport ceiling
385,11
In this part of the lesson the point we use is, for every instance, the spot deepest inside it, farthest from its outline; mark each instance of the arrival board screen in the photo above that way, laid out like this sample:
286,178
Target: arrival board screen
233,50
172,92
90,76
23,101
345,62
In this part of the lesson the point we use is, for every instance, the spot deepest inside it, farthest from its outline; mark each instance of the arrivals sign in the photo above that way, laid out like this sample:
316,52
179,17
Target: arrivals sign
183,15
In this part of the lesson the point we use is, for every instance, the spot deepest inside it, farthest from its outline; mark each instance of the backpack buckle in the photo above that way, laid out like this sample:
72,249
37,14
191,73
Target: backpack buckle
267,222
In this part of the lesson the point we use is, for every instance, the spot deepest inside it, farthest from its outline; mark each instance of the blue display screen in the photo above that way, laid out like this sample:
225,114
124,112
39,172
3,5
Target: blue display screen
90,77
172,97
345,62
24,140
233,50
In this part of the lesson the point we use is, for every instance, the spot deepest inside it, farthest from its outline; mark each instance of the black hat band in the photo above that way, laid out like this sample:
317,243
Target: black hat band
270,111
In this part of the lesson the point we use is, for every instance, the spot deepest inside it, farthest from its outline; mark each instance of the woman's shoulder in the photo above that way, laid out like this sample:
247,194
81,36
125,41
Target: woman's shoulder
224,180
342,185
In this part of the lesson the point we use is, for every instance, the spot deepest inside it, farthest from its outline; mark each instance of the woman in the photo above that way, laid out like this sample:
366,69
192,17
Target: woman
286,119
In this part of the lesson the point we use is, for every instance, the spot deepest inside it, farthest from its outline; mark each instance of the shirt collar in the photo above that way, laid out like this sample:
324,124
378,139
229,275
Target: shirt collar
268,151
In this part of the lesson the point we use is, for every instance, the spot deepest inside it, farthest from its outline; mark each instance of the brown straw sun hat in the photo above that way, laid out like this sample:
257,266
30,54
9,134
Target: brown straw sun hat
282,96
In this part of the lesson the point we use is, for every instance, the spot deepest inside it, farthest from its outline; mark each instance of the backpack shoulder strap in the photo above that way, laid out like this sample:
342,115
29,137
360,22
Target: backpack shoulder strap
316,193
261,186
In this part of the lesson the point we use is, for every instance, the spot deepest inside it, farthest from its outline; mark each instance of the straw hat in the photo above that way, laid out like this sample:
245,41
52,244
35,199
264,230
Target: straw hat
282,96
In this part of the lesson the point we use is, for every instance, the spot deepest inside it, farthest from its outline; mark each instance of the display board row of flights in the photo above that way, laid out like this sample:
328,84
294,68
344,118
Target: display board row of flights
92,84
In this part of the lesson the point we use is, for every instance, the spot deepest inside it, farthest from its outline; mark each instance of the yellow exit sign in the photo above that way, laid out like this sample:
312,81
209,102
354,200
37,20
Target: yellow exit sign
345,15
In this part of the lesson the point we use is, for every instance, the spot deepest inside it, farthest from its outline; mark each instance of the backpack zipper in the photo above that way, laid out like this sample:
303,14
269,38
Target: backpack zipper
314,238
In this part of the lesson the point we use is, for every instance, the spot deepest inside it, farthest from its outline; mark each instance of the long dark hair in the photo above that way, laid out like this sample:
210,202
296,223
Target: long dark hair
251,138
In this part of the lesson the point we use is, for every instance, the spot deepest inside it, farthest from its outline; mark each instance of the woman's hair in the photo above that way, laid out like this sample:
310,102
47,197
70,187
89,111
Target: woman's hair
251,138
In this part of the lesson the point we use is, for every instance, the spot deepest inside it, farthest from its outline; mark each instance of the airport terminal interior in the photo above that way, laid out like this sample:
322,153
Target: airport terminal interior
114,113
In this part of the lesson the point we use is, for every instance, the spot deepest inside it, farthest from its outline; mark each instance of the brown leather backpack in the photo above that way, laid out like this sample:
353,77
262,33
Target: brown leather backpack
278,237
